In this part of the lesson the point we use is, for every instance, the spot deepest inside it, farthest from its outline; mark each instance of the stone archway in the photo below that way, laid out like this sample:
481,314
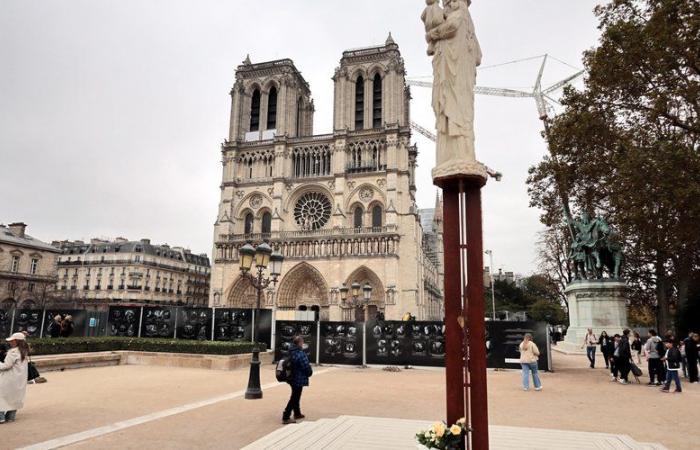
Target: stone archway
303,285
242,294
377,301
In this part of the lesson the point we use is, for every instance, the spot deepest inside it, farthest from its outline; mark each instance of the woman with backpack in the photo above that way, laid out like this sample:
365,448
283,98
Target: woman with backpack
529,355
13,377
298,377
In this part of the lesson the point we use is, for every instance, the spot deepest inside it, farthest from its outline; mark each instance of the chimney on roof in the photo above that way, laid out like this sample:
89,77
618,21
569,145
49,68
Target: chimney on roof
146,241
17,228
121,240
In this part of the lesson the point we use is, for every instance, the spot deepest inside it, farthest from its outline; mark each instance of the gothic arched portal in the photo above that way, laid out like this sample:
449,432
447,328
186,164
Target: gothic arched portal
303,285
242,294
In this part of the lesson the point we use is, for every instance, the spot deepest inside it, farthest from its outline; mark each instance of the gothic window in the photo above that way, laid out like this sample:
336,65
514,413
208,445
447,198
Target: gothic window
377,216
357,217
272,109
249,171
366,156
377,101
312,211
248,223
255,111
360,103
266,222
311,161
299,110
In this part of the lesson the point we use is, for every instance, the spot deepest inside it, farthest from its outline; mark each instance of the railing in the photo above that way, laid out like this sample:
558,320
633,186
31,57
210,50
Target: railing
361,168
324,243
311,234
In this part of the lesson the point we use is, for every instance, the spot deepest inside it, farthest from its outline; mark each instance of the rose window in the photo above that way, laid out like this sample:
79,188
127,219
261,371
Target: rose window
312,211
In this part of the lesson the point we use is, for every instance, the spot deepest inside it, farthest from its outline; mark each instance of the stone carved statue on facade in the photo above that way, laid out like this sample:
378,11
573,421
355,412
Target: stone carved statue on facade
457,54
595,247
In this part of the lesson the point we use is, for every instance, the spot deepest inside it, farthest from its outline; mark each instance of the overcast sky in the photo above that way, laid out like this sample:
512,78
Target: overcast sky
112,111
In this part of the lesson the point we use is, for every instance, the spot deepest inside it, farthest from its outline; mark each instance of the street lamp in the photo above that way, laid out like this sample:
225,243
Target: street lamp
493,292
263,256
354,290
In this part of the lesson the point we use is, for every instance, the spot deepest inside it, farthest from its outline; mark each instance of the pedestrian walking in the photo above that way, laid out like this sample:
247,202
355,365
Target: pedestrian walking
692,347
653,349
529,355
612,349
623,356
13,378
301,371
54,328
590,342
672,358
636,348
604,341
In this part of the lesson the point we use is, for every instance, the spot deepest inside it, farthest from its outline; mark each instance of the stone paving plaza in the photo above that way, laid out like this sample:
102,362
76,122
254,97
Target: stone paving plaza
129,406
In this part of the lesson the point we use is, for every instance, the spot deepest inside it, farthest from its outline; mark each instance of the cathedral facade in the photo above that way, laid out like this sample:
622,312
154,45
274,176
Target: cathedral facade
340,207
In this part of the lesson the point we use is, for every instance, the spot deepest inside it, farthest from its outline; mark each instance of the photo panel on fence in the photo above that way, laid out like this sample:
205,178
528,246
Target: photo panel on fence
388,342
503,343
287,329
65,323
427,344
233,324
123,321
5,323
158,322
29,321
264,324
194,323
341,343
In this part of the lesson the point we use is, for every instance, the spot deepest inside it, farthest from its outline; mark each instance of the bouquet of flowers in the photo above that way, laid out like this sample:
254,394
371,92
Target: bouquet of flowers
440,436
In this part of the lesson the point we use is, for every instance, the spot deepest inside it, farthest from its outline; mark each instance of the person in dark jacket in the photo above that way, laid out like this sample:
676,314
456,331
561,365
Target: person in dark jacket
605,342
301,371
673,366
54,329
623,355
691,354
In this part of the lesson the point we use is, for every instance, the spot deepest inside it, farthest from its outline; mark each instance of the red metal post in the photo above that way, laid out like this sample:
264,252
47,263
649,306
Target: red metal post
478,401
465,379
454,335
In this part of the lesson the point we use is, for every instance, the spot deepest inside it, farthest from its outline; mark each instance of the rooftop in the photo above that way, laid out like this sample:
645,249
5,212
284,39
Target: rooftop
14,234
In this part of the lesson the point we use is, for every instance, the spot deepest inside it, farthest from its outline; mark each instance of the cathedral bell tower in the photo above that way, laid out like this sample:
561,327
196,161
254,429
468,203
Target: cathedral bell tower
270,99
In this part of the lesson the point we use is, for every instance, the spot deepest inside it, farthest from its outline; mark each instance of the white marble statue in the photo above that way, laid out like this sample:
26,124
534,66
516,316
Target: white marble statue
457,55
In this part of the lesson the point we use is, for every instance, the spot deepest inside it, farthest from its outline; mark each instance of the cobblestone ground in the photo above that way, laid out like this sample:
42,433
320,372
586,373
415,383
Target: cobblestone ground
574,398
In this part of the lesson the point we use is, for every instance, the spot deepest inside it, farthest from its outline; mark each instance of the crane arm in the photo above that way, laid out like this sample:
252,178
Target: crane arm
563,82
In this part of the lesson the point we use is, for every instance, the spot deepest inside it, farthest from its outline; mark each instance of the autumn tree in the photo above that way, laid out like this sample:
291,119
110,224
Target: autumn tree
627,145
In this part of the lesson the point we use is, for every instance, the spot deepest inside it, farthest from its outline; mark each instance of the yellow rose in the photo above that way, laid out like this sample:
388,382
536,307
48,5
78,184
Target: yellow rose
456,430
439,429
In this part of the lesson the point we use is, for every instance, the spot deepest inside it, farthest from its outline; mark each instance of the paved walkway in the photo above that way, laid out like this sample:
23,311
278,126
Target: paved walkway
128,407
366,433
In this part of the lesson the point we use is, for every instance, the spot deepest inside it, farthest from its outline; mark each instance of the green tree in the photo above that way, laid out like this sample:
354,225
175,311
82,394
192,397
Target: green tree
628,145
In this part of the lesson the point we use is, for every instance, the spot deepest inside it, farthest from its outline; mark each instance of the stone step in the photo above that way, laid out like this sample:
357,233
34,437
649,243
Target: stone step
353,432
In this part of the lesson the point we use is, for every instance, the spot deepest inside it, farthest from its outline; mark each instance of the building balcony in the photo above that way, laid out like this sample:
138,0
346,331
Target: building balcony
19,276
323,243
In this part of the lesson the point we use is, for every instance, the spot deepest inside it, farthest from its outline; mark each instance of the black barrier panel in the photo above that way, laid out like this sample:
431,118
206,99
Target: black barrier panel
5,323
427,344
232,324
503,340
28,320
265,327
341,343
194,323
158,322
286,330
388,342
72,323
123,321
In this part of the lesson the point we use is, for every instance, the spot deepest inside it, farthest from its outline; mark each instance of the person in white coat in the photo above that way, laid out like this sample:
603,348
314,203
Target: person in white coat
13,377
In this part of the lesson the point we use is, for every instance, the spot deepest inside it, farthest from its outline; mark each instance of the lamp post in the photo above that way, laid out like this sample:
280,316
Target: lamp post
263,257
493,291
355,288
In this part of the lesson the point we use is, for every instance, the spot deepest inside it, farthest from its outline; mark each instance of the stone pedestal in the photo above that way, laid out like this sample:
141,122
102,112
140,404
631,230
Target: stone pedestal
597,304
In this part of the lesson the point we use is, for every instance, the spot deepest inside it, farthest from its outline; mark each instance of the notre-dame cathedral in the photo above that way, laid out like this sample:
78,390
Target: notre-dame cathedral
340,207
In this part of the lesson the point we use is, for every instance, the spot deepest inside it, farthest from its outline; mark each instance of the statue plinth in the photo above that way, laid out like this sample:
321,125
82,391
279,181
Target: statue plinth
598,304
457,169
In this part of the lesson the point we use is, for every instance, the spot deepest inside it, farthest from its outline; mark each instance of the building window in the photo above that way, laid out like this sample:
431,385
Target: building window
255,111
15,263
357,217
248,223
272,109
30,287
266,222
377,101
377,216
34,266
299,112
137,258
360,103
